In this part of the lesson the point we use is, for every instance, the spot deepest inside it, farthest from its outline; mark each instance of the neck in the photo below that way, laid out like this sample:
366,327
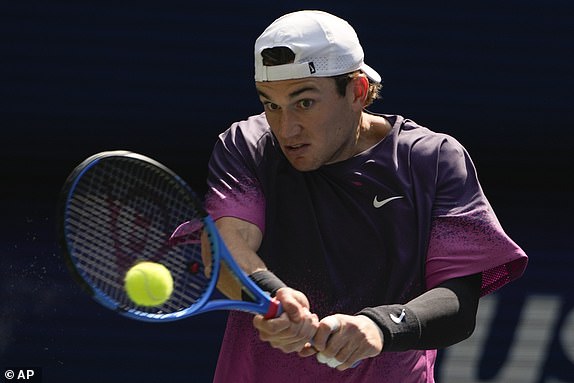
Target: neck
371,130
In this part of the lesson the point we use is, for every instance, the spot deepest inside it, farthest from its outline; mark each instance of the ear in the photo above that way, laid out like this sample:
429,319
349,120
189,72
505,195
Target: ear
360,86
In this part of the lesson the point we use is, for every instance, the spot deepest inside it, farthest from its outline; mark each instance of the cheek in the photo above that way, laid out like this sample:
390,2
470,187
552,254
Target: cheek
340,123
273,122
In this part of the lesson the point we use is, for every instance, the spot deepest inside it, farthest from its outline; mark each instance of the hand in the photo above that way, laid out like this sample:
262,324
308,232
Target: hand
343,340
291,331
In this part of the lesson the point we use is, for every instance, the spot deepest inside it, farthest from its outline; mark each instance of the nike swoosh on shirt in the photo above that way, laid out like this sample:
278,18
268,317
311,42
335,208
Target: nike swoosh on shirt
377,204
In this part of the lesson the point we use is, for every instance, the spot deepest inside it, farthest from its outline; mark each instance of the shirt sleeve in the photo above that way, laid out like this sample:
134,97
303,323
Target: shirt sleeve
233,187
466,236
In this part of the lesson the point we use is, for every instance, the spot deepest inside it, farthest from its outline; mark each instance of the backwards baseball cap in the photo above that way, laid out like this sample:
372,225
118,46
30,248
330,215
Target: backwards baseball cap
324,45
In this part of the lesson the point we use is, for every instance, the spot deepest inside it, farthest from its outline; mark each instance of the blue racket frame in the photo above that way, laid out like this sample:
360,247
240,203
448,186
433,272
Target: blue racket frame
262,303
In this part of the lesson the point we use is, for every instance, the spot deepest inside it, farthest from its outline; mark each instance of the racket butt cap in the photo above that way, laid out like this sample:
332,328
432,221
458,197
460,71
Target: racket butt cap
274,309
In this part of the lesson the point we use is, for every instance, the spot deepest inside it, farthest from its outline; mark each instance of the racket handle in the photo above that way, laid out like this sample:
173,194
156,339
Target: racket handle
274,309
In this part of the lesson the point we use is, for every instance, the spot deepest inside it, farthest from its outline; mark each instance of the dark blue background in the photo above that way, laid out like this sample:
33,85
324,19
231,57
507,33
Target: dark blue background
164,78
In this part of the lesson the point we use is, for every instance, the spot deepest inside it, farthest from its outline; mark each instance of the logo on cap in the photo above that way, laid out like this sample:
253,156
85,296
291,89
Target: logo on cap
312,68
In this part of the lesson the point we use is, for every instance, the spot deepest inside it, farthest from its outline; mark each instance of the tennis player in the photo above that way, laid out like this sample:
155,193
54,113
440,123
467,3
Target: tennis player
372,230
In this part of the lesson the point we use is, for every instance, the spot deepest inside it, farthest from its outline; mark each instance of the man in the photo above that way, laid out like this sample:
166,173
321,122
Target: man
372,231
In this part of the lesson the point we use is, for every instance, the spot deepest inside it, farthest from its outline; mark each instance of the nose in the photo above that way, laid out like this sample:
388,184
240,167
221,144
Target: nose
289,126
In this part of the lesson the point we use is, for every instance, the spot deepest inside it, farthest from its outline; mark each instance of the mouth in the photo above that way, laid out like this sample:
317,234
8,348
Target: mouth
295,149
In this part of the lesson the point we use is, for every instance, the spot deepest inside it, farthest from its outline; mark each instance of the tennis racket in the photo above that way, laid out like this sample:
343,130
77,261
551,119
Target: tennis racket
118,208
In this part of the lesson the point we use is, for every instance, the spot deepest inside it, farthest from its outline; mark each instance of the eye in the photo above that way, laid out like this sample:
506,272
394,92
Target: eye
305,103
270,106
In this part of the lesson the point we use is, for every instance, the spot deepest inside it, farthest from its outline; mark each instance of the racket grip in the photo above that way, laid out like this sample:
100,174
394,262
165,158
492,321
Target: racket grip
274,309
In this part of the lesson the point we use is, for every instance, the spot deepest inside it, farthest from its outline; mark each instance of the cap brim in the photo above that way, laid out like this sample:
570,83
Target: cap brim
371,73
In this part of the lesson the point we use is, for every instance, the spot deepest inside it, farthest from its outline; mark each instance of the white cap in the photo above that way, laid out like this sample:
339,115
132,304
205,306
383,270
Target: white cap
324,46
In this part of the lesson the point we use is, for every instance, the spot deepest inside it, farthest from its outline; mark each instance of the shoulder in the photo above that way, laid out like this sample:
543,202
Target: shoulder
423,145
251,130
427,154
423,140
248,138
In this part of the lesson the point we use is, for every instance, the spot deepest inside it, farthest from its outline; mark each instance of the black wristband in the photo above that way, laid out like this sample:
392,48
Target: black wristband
267,281
399,324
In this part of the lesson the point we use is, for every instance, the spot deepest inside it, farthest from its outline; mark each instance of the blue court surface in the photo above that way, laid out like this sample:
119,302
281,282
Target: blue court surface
164,80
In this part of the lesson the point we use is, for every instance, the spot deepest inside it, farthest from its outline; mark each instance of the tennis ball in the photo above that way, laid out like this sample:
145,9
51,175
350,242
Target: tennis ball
148,284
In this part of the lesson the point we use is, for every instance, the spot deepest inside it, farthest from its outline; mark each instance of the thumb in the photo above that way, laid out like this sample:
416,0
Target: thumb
292,306
295,311
332,322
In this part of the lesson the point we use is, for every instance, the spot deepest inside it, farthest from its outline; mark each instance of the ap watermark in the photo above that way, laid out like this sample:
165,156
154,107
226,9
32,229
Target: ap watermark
22,374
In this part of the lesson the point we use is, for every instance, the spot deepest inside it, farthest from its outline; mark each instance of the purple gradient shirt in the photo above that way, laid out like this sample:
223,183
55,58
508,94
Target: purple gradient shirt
379,228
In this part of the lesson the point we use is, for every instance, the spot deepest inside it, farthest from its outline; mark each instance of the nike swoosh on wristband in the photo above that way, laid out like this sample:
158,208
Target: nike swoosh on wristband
377,204
398,319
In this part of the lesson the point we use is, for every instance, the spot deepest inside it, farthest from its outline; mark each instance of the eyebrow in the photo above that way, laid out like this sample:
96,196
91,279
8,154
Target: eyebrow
292,94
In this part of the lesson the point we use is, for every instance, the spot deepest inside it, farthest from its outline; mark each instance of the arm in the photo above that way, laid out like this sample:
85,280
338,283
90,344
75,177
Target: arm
242,239
293,329
438,318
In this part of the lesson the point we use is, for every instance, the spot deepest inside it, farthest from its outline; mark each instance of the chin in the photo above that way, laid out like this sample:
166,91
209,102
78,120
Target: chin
303,166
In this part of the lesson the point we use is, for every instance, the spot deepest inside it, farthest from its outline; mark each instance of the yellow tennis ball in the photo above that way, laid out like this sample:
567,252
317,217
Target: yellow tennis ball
148,284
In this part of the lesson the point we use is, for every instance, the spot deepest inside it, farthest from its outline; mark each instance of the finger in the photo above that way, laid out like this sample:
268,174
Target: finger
329,361
292,305
351,363
292,337
348,356
304,330
307,350
332,322
290,344
336,354
334,362
271,326
327,326
344,357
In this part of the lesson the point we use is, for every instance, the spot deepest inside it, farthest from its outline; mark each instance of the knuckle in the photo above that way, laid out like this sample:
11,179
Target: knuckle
264,337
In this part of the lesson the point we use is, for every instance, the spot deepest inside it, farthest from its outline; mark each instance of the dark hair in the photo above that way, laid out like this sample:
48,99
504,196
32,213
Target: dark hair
284,55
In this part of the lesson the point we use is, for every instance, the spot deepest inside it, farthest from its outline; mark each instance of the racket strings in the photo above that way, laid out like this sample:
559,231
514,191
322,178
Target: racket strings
123,211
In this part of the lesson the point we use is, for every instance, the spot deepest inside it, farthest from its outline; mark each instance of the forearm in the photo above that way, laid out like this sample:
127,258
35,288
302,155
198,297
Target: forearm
438,318
242,240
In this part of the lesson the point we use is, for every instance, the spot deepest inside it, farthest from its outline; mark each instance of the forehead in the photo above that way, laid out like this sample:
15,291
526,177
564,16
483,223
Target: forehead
295,88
